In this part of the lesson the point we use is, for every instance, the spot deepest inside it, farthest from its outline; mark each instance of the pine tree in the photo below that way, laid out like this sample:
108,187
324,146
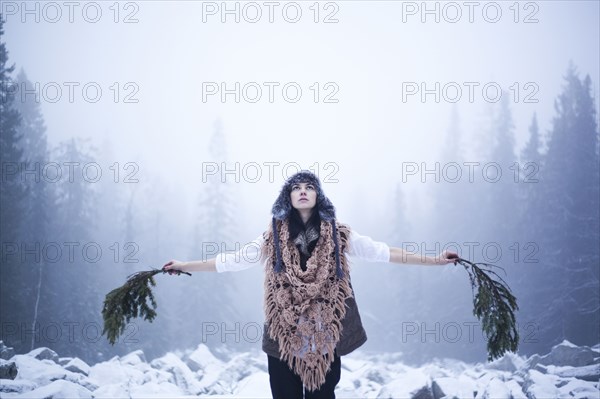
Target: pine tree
34,145
531,152
13,277
115,202
502,197
569,219
72,297
502,193
12,192
40,197
526,231
529,188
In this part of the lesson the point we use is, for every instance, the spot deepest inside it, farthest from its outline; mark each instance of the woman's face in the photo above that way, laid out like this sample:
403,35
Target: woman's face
303,196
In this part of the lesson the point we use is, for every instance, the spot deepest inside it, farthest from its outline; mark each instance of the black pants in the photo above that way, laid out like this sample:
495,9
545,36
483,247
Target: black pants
287,385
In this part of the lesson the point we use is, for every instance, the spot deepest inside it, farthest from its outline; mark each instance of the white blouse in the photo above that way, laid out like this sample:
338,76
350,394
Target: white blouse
361,247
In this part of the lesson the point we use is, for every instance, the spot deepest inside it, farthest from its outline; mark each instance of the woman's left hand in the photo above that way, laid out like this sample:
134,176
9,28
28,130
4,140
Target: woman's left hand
446,257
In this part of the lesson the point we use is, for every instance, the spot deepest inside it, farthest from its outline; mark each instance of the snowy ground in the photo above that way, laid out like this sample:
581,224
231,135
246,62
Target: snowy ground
568,371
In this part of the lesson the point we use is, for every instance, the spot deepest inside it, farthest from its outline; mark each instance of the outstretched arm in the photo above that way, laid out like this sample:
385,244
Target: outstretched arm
249,255
192,266
365,248
398,255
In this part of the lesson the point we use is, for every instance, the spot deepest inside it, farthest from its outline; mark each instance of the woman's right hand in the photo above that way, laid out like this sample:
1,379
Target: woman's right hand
173,266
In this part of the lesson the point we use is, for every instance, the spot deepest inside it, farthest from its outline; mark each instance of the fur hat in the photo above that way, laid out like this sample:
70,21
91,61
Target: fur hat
283,207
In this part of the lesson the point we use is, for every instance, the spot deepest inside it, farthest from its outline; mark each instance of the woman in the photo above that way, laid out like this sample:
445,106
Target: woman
311,316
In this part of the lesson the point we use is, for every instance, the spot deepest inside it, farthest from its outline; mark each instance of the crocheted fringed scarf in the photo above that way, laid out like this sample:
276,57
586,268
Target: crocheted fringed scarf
305,309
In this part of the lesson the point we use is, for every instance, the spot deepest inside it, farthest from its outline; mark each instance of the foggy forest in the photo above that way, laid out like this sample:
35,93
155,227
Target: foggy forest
92,192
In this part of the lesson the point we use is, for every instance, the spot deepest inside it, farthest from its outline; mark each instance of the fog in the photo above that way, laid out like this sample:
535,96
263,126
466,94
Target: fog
378,90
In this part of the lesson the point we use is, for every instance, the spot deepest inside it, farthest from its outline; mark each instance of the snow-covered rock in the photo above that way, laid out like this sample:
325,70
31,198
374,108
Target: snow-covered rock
459,388
566,354
209,377
238,368
484,378
586,373
6,352
414,383
8,370
541,368
114,372
77,365
201,358
423,393
18,386
360,382
199,373
352,364
538,385
349,387
434,370
254,386
132,376
155,390
347,393
41,372
58,389
64,360
377,375
134,358
496,389
516,391
44,353
183,377
509,362
578,389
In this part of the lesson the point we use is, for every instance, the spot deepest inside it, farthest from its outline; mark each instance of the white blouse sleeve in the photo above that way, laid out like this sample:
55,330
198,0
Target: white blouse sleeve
248,256
365,248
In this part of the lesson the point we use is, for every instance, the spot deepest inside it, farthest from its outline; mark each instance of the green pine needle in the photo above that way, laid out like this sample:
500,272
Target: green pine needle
494,305
130,301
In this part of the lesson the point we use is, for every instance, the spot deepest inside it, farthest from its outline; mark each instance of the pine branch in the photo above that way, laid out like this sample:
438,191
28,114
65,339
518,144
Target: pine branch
130,301
494,305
